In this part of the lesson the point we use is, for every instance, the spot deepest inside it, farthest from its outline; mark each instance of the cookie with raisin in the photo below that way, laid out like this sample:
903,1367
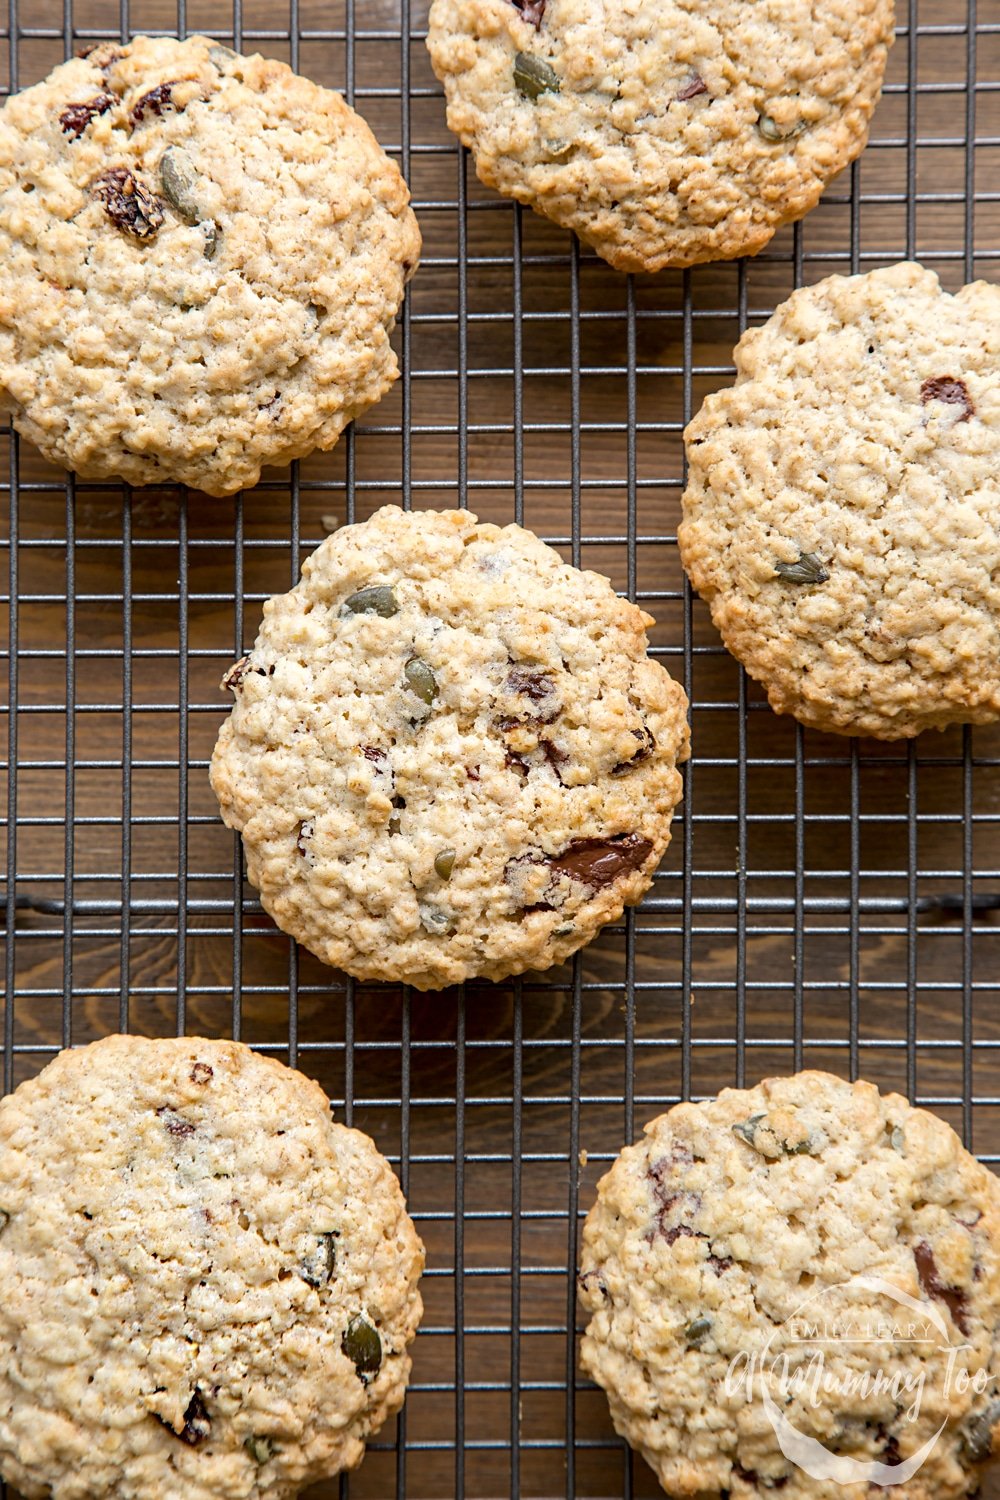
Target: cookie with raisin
201,259
842,514
663,132
795,1288
207,1288
449,753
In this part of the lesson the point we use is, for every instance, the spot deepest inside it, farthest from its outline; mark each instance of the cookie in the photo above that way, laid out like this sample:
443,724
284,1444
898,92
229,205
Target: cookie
754,1258
449,753
207,1288
842,515
201,259
663,132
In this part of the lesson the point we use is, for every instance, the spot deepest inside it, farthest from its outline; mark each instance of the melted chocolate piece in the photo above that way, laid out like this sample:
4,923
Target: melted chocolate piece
531,10
75,119
128,203
952,1296
950,390
155,102
197,1423
644,750
694,86
600,862
554,756
233,679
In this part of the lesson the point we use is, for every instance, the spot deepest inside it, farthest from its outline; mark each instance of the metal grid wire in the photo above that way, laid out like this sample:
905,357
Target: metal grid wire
825,902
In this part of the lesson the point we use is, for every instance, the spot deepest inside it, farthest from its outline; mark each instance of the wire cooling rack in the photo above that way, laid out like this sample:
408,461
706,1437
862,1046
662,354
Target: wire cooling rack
825,902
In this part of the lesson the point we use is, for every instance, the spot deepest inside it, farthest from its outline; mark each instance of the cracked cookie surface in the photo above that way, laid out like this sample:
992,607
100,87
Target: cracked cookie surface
207,1288
842,515
449,754
664,132
744,1226
202,256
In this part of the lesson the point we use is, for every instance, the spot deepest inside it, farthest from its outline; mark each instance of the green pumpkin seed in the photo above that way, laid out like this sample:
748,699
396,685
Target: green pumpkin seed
260,1449
774,133
221,56
420,679
177,179
445,863
433,920
696,1333
747,1129
210,230
533,76
363,1347
807,570
897,1139
379,600
319,1268
978,1437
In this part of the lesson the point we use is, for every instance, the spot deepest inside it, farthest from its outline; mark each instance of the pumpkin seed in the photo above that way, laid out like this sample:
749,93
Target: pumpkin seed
433,920
210,230
807,570
774,133
445,863
319,1268
897,1139
696,1333
363,1347
221,56
534,76
260,1449
178,178
420,679
978,1437
379,600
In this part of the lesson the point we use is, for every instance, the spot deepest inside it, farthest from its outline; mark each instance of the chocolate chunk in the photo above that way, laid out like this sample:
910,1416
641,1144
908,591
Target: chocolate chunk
197,1423
693,86
600,862
155,102
554,756
516,763
202,1072
173,1122
950,390
75,119
533,684
531,10
644,749
720,1263
953,1297
128,203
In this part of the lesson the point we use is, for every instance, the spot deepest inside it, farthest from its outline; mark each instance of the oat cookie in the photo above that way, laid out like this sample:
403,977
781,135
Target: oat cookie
201,258
842,516
449,753
207,1288
758,1224
664,132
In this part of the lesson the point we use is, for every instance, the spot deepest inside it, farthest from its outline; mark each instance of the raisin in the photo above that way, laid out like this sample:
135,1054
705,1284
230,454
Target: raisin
75,119
952,1296
953,392
174,1124
233,679
531,10
128,203
306,830
155,102
593,1281
533,684
202,1072
691,88
600,862
378,757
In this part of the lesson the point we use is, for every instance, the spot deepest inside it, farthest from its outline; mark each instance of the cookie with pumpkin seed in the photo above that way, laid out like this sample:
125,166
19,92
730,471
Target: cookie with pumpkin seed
449,754
201,259
207,1288
795,1288
842,514
664,132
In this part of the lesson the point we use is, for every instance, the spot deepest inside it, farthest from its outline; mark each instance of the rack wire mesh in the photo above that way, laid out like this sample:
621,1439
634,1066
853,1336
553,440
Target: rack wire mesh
825,902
